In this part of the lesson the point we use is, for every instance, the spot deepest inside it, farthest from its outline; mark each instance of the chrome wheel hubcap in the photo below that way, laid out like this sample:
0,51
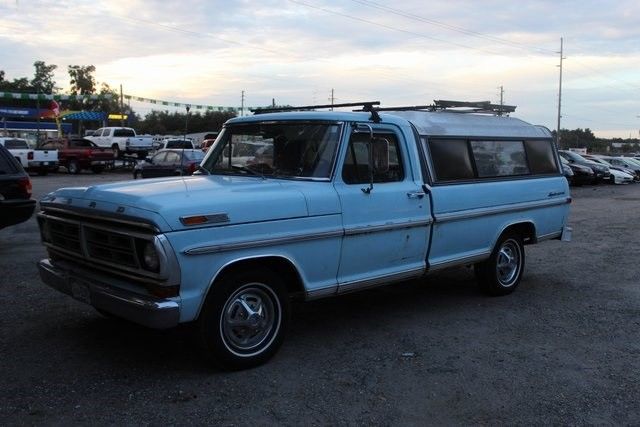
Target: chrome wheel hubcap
508,263
250,318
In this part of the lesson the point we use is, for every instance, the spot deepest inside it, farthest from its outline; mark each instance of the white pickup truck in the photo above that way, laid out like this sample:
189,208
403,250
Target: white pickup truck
122,141
41,161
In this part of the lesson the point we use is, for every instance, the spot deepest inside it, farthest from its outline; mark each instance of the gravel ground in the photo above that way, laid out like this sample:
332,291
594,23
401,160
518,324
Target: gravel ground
563,349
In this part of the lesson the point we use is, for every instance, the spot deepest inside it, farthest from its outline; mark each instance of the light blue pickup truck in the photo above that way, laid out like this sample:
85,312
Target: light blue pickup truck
308,204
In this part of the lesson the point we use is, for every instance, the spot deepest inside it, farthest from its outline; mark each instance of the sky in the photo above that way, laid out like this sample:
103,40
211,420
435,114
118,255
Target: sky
297,51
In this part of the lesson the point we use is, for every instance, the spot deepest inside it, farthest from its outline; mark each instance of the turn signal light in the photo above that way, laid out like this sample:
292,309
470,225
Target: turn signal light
194,220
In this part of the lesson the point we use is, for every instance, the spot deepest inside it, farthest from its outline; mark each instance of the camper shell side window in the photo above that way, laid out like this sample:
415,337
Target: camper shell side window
457,160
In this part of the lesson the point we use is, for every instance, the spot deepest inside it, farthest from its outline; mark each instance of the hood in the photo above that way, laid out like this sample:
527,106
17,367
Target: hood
241,199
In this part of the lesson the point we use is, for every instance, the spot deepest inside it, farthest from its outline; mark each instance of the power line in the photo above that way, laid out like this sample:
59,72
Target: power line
389,27
452,27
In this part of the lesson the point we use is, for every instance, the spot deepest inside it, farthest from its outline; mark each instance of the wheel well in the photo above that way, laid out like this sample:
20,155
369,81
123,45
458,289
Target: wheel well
280,266
525,229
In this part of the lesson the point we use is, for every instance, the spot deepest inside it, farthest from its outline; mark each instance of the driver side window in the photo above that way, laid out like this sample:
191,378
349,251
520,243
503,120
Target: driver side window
356,164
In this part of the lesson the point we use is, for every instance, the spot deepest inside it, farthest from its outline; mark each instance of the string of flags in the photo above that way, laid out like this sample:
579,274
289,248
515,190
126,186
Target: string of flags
94,97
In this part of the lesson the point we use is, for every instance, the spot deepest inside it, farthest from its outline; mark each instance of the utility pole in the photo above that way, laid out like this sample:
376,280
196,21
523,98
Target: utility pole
38,118
242,104
560,94
501,98
121,108
332,99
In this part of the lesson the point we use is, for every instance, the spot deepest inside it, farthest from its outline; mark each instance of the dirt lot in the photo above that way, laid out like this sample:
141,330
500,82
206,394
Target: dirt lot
563,349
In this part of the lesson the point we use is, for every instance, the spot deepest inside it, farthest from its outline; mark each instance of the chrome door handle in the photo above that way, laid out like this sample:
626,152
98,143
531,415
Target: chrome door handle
415,194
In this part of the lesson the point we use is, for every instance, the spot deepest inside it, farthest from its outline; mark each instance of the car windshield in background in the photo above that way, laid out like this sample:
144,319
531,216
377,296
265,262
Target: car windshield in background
194,155
281,150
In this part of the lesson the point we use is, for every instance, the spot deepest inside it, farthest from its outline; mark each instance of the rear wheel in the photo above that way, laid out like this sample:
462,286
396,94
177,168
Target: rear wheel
116,151
244,318
501,273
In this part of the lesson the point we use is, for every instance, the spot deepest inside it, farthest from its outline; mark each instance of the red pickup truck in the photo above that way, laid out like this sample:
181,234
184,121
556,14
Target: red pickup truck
77,154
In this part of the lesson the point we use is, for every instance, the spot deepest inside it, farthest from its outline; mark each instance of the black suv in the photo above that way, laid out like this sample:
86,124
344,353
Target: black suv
16,204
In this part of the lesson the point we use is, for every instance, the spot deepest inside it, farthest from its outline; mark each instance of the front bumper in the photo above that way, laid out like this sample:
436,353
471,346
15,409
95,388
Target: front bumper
93,289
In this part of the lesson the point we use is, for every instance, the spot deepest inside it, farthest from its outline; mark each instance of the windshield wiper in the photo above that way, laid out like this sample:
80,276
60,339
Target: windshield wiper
248,169
199,168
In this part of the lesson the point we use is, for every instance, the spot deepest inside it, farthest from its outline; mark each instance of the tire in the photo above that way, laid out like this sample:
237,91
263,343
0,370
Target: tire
73,167
116,151
97,169
244,318
135,174
502,272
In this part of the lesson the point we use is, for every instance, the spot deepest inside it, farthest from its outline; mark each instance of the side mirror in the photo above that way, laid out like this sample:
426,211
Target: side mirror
380,155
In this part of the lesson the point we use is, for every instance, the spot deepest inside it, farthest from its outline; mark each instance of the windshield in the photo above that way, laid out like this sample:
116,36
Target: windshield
280,150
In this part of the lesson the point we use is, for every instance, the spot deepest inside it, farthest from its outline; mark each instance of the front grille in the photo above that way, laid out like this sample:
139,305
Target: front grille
65,236
111,247
96,244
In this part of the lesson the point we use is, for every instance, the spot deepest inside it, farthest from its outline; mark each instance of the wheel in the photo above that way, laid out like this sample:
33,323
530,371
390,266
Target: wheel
73,167
135,174
116,151
501,273
97,169
244,319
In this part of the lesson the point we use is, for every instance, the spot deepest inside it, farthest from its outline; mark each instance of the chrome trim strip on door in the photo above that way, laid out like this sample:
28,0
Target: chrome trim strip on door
386,227
225,247
513,207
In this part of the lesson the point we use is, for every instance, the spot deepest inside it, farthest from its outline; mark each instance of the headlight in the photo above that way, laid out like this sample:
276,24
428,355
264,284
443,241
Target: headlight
150,258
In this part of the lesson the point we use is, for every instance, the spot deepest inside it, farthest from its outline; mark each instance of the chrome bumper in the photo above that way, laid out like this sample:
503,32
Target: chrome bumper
92,289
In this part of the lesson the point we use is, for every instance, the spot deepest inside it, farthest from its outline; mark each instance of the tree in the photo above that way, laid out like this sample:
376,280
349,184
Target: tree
82,81
42,81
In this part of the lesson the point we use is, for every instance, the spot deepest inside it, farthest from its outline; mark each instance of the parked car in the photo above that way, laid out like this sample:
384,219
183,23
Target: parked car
16,205
77,154
623,162
351,200
619,174
38,160
580,174
170,162
176,143
122,141
600,172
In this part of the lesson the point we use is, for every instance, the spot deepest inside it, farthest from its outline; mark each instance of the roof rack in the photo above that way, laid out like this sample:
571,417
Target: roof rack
366,106
484,107
475,107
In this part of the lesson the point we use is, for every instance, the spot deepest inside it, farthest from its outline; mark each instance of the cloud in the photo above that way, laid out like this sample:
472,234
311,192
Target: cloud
297,51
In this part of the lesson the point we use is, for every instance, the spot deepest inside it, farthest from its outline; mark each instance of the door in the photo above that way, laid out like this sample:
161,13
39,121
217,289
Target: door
386,228
156,167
